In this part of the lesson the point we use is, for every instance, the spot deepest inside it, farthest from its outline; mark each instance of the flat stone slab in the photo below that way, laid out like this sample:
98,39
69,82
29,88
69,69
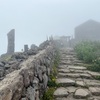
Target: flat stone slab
69,75
71,89
76,71
65,82
80,83
63,66
94,74
81,94
95,91
64,70
61,92
92,83
77,67
87,76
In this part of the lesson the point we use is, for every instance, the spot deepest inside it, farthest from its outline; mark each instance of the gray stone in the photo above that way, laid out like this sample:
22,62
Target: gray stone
95,91
65,81
24,99
1,64
87,76
11,42
31,93
45,81
35,83
80,83
81,94
71,89
2,71
68,75
34,47
61,92
7,66
64,70
77,67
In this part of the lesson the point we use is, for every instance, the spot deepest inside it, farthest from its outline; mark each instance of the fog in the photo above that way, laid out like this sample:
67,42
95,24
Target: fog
34,20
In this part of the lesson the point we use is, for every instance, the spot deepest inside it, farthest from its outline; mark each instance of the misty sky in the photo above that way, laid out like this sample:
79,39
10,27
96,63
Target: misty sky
34,20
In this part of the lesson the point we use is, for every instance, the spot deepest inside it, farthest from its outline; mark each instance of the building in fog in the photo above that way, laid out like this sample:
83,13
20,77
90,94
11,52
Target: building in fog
89,30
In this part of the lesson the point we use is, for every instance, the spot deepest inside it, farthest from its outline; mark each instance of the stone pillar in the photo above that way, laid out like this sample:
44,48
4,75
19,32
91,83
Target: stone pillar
11,42
25,48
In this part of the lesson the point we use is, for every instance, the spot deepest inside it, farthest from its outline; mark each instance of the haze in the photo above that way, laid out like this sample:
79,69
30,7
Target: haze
34,20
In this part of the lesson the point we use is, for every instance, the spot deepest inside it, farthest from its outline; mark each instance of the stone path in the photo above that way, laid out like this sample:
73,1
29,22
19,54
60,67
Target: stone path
76,82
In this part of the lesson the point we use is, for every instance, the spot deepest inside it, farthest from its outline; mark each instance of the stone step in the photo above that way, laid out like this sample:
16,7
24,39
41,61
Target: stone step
95,91
94,74
86,76
68,75
65,82
77,67
61,92
81,94
92,83
81,83
64,70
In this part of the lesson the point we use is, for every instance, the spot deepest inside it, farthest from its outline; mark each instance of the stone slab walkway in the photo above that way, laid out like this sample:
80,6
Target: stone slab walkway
76,82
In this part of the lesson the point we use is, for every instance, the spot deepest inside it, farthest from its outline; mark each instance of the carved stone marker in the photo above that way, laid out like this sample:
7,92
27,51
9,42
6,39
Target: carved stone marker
25,48
11,42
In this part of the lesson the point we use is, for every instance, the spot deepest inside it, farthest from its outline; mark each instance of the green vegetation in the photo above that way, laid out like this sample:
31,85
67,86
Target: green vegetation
52,85
89,52
48,95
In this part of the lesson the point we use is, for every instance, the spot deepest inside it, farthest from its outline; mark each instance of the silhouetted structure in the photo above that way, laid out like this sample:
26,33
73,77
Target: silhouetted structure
89,30
11,42
25,48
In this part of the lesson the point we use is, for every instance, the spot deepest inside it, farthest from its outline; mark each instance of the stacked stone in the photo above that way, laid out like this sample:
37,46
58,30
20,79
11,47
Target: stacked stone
30,80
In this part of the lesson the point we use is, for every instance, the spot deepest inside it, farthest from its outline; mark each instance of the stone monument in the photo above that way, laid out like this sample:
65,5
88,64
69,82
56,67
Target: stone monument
11,42
25,48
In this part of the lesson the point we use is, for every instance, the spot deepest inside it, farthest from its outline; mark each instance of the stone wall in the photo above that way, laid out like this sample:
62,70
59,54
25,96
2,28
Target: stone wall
29,81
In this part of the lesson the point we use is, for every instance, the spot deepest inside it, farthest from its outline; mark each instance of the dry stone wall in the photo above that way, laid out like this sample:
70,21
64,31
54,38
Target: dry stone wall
29,81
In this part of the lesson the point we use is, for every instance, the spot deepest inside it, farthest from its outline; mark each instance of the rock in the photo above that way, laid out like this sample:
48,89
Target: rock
2,71
11,87
35,83
61,92
26,78
87,76
43,45
95,91
24,99
12,62
64,70
81,94
45,80
80,83
71,89
7,66
77,67
69,75
1,64
31,93
34,47
65,82
94,74
32,52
